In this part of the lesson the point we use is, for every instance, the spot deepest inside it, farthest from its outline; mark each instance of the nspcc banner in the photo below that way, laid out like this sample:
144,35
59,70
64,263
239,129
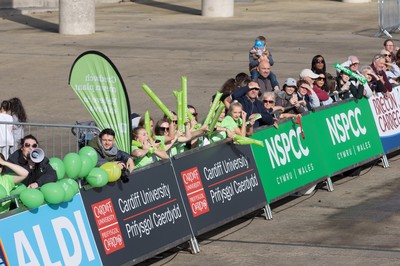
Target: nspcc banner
219,183
98,84
348,135
134,221
288,161
49,235
386,112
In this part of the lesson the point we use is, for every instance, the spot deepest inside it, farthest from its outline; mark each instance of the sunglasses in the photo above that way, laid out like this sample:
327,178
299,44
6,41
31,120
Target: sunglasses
268,101
387,54
320,78
320,61
194,114
27,145
164,128
254,89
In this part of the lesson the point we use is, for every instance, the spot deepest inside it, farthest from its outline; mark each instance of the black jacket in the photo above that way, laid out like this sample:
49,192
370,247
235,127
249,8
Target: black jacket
42,173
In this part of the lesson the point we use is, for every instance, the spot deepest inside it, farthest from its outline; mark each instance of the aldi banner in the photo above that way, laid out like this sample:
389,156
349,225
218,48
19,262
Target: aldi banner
219,183
98,84
288,161
49,235
134,221
386,112
348,135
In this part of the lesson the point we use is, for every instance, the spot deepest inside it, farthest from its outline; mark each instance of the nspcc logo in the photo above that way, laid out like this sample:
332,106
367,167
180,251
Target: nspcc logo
343,126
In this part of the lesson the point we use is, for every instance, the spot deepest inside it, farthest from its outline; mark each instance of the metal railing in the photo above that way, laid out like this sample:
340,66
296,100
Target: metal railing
388,16
57,139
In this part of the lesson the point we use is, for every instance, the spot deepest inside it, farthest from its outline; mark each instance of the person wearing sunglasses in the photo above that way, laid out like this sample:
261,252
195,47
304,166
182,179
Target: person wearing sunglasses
248,97
391,69
40,173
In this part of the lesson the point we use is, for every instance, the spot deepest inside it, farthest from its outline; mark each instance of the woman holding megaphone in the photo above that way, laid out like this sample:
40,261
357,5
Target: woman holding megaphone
32,158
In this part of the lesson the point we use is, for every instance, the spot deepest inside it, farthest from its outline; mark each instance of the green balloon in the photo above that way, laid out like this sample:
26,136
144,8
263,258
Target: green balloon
31,198
87,165
17,189
97,177
70,182
53,192
69,191
73,164
58,165
91,152
113,171
3,192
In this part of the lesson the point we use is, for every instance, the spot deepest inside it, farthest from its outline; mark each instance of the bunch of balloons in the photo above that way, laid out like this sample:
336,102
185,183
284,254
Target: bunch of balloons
74,166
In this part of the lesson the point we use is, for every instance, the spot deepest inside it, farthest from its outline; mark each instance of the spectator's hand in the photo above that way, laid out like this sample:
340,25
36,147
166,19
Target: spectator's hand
33,185
230,134
130,165
244,114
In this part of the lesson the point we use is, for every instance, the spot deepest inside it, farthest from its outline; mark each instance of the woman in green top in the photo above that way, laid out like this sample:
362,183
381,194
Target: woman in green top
146,151
8,181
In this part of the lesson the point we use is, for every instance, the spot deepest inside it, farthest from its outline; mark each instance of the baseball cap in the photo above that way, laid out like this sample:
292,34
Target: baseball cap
291,82
308,73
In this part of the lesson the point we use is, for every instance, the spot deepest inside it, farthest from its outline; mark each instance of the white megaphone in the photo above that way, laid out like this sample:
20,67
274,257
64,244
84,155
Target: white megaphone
37,155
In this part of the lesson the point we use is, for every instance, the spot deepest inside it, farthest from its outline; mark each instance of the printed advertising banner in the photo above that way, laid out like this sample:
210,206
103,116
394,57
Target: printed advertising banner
288,161
386,112
49,235
98,84
219,183
134,221
348,135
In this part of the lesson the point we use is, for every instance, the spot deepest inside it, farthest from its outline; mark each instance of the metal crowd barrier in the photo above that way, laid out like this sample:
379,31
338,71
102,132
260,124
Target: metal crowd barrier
57,139
389,17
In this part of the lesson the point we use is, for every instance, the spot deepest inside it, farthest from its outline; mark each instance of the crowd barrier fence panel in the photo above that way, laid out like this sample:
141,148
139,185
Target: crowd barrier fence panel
55,139
386,113
48,235
288,162
348,135
137,220
219,183
388,16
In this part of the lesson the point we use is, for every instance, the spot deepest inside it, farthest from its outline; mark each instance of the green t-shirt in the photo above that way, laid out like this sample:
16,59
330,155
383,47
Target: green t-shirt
7,181
230,123
142,161
217,136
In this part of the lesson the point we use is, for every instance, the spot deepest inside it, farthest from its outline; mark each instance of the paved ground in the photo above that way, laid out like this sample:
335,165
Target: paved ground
157,42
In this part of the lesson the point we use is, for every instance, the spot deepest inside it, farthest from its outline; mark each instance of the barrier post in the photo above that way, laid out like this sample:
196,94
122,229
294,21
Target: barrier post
268,212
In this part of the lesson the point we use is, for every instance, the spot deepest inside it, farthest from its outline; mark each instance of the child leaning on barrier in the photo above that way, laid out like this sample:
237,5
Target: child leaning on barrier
8,181
145,150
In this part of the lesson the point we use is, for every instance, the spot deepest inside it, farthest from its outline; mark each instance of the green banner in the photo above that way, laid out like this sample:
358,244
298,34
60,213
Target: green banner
98,84
287,161
348,134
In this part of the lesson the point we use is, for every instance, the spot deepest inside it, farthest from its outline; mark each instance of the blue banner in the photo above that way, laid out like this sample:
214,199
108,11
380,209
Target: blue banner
49,235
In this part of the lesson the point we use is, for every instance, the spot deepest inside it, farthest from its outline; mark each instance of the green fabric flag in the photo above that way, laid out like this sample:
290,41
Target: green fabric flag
98,84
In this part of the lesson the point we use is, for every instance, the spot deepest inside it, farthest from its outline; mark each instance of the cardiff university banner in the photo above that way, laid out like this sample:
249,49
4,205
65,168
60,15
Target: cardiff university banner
98,84
386,112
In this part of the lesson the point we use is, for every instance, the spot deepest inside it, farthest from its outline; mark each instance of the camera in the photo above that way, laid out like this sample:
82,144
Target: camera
124,175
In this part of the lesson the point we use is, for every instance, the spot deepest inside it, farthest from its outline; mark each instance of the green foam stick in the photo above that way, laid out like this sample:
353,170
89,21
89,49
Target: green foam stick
157,101
362,79
245,140
214,121
213,108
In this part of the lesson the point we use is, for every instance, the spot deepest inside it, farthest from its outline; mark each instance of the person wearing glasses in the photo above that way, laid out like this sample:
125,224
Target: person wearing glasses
378,66
318,66
40,173
311,77
352,63
248,97
391,69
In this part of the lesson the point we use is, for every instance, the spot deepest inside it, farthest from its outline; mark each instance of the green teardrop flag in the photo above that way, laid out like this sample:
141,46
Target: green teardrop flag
98,84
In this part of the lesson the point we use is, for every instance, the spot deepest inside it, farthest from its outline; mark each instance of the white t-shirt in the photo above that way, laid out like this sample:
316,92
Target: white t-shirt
6,135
